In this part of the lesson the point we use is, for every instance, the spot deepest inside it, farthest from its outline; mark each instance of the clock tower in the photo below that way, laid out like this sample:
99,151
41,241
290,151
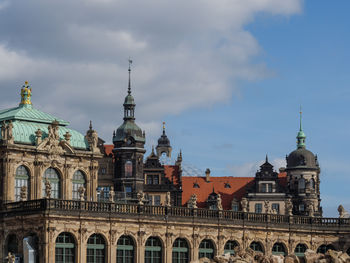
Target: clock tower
129,141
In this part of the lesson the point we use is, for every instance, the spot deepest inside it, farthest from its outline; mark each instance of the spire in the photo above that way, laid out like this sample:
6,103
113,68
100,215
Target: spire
129,84
90,126
26,94
266,159
301,135
163,127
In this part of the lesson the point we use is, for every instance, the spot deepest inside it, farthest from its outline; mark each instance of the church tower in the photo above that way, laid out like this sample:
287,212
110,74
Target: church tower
129,141
303,175
163,144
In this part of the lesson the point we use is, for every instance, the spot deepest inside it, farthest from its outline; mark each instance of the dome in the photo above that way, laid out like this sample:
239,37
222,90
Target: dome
129,99
302,158
129,129
163,141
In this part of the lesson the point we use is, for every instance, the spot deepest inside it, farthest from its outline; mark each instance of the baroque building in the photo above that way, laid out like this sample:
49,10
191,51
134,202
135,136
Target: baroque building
69,197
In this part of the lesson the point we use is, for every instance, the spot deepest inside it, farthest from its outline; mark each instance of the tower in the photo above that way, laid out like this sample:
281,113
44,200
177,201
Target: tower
163,144
129,141
303,173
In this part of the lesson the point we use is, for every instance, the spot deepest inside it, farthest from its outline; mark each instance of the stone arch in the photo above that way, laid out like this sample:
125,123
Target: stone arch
11,243
126,252
154,248
230,245
48,172
65,246
94,242
300,249
279,248
257,246
179,253
207,248
77,180
324,247
23,175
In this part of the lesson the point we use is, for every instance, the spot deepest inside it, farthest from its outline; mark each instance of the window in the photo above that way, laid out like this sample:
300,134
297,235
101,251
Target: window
152,179
153,250
195,185
227,185
21,179
266,188
180,251
206,249
156,200
258,208
12,245
128,189
300,250
128,168
301,207
96,249
103,170
301,184
276,206
103,193
77,182
65,248
312,183
125,250
278,249
230,247
269,188
52,176
235,207
324,248
256,246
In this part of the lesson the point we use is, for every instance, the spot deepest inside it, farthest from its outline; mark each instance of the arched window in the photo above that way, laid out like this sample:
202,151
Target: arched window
12,244
300,250
128,168
125,250
312,183
22,179
256,246
180,251
77,182
324,248
206,249
52,176
230,247
96,249
153,250
278,249
65,248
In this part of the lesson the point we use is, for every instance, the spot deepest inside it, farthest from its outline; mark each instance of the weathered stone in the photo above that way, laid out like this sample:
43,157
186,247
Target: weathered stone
291,259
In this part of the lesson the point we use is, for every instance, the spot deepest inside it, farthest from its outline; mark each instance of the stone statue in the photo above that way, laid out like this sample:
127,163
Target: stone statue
141,197
192,203
111,194
3,130
9,129
10,258
168,199
342,212
23,193
81,192
38,136
48,188
67,136
288,207
92,138
267,207
310,209
219,202
244,204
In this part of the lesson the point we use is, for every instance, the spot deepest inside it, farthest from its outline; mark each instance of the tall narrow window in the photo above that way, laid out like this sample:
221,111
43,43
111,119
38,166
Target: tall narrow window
230,247
276,207
65,248
77,182
206,249
258,208
96,249
301,184
312,183
125,250
153,250
180,251
52,176
128,169
21,179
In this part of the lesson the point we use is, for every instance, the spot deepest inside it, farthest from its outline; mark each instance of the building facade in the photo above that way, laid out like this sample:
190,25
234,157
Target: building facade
69,197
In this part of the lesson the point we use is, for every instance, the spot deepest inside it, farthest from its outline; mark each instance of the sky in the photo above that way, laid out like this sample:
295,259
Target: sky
227,76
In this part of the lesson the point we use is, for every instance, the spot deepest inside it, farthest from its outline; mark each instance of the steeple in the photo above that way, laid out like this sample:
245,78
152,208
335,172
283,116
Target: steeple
164,144
301,135
129,102
26,95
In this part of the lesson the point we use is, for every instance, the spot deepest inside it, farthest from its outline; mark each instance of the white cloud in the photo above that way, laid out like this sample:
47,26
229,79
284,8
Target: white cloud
186,54
249,169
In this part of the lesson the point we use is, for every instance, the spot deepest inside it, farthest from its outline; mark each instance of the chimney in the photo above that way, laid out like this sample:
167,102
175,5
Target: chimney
207,175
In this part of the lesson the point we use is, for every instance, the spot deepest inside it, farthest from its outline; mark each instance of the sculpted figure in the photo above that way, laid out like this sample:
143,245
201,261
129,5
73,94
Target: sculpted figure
192,203
168,199
219,202
111,194
244,204
48,188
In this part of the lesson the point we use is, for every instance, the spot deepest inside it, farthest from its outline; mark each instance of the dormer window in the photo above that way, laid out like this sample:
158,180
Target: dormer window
227,185
195,185
152,179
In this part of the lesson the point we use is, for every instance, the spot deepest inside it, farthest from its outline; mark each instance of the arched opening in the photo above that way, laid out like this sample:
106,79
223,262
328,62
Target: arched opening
77,182
65,248
206,249
180,251
21,180
96,249
125,250
51,175
11,244
324,248
300,250
279,249
256,246
230,247
312,183
31,248
153,250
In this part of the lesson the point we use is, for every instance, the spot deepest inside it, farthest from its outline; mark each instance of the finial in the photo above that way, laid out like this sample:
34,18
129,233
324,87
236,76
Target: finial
129,85
90,126
114,133
152,149
301,135
301,113
163,127
26,94
266,159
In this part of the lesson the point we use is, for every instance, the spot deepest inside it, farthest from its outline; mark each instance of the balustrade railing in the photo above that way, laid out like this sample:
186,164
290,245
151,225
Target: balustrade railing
46,205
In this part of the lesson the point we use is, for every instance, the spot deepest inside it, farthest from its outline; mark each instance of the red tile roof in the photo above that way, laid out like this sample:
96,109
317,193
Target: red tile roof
108,148
172,173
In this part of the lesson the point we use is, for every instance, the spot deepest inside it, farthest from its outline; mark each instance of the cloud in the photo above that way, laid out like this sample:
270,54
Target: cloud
249,169
187,54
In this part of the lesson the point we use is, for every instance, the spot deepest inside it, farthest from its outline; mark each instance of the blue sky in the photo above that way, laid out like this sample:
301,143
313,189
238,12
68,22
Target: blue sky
227,76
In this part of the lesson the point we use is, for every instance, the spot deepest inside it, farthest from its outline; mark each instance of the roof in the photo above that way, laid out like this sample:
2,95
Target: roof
108,149
172,173
237,189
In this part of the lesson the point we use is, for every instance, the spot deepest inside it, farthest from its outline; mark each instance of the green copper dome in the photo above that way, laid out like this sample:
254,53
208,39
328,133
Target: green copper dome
129,100
129,129
27,120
